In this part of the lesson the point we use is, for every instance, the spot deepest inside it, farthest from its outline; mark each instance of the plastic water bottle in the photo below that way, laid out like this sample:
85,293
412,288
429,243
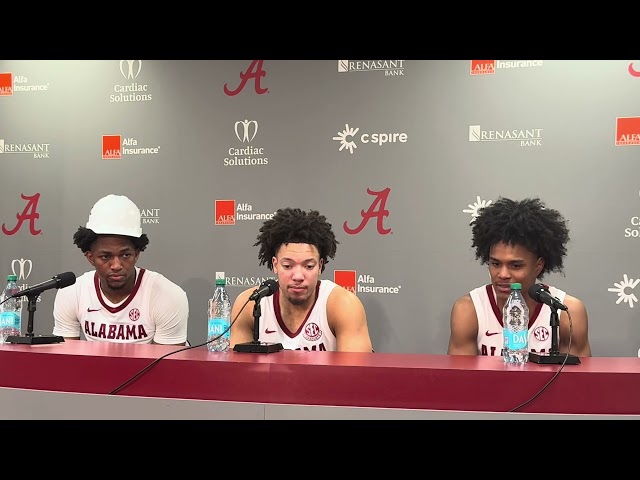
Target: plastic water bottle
219,317
11,310
515,319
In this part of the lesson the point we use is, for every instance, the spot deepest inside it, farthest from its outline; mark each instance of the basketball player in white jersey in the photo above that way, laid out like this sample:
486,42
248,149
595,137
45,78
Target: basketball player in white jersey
306,313
117,301
520,241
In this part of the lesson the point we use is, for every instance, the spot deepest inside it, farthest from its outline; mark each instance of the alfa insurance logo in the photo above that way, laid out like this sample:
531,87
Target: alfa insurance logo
355,283
114,146
6,84
227,212
489,67
627,131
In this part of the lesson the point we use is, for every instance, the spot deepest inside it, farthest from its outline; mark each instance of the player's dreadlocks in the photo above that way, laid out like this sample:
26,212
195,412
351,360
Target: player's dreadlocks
85,237
293,225
528,223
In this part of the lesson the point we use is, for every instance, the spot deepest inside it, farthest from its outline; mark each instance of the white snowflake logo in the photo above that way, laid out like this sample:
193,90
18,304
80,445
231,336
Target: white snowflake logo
627,282
474,207
342,138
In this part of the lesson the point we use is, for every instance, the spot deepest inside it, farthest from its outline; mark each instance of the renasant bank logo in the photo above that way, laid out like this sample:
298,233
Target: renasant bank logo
38,150
474,208
531,137
391,68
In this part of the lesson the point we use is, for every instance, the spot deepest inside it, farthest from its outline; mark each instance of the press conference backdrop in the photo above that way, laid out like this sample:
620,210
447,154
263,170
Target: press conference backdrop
398,154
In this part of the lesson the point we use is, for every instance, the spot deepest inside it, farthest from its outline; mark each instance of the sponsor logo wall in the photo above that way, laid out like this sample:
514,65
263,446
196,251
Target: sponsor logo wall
400,155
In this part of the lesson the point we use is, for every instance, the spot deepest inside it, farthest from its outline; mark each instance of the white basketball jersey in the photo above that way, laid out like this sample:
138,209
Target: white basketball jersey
490,322
154,308
314,333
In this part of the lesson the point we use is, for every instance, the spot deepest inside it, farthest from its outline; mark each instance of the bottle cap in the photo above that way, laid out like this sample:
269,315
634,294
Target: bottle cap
516,286
220,278
12,278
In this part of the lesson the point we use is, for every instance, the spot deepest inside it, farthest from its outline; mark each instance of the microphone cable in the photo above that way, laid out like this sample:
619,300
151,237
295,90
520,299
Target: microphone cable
146,369
556,374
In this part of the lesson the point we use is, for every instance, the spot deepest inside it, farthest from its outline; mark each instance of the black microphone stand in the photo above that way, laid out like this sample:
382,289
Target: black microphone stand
256,346
29,338
554,356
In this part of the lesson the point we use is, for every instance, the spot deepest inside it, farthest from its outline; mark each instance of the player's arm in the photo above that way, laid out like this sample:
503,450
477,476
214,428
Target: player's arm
348,321
579,328
170,312
65,314
463,338
242,329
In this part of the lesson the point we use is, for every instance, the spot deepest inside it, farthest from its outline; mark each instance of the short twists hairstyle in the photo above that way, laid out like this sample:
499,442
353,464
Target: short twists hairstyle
293,225
84,238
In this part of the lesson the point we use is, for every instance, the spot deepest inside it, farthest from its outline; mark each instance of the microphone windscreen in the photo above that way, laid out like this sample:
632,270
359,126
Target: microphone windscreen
65,279
534,291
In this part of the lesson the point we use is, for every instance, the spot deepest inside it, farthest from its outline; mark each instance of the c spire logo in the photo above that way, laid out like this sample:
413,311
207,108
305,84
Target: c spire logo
247,131
348,135
633,72
474,208
620,289
130,69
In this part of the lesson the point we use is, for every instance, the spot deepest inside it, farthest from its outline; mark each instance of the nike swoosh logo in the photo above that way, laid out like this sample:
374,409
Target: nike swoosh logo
266,330
492,333
93,310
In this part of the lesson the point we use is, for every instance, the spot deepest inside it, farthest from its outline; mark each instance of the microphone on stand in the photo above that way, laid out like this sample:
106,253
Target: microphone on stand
266,289
61,280
540,293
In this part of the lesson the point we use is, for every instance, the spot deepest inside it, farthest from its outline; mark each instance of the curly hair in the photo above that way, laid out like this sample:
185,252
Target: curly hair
293,225
84,238
542,231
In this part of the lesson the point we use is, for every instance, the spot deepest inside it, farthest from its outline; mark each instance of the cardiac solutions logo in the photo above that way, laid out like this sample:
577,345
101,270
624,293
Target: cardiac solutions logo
347,138
113,147
21,268
355,283
627,131
133,91
248,155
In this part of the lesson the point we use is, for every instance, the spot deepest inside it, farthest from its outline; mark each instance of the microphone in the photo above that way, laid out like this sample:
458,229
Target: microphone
266,289
540,294
58,281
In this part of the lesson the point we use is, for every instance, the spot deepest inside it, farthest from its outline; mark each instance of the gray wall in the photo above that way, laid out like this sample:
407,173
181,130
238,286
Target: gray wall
420,240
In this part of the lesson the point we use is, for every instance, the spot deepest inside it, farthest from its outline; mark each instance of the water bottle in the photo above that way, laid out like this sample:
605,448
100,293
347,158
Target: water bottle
11,310
219,315
515,319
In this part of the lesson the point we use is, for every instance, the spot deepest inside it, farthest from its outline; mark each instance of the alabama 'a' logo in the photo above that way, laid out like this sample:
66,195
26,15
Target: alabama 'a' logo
255,72
376,210
30,213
